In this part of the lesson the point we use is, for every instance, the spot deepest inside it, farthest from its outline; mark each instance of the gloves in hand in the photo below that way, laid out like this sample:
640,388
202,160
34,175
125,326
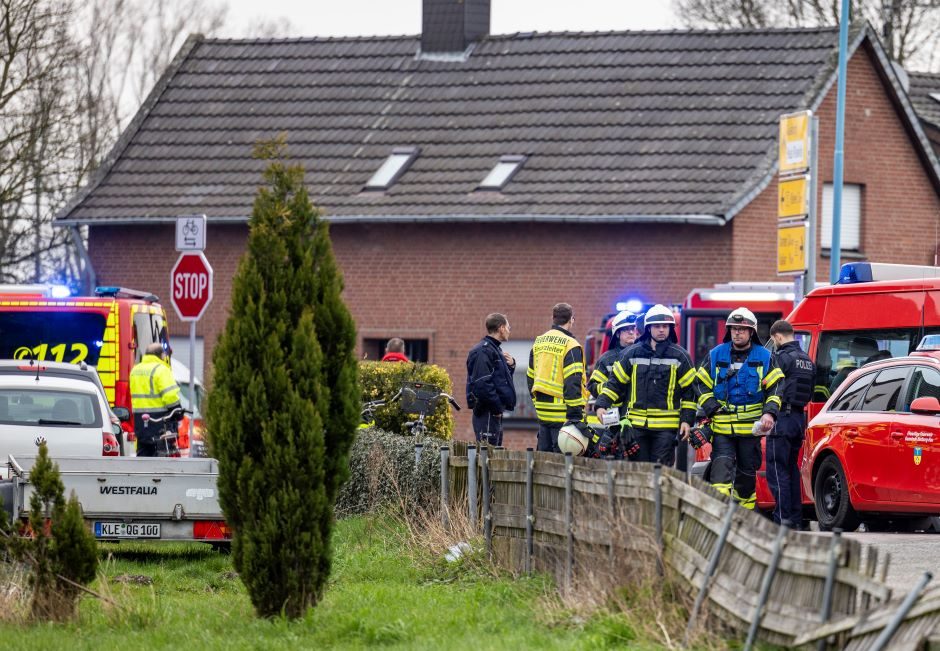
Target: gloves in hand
631,449
701,433
606,443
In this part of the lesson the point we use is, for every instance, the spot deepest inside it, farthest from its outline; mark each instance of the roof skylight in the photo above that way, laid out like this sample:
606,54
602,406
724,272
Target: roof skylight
500,175
935,96
392,168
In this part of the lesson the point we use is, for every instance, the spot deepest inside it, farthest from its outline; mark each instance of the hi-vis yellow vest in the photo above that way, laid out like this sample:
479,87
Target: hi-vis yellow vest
548,359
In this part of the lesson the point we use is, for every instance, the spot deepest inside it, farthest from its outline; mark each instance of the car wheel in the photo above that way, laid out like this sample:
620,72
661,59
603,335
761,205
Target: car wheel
831,493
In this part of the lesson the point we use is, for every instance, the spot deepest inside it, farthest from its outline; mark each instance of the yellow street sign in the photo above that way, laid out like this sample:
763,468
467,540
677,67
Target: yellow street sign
794,142
791,248
793,197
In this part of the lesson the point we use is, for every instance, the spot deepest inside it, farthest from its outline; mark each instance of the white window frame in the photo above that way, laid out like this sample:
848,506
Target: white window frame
850,233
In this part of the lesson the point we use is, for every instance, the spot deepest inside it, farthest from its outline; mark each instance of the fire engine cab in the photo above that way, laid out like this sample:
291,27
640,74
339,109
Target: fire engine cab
109,331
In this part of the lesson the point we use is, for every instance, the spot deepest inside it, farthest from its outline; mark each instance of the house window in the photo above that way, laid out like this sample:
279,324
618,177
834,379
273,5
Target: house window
525,410
500,175
417,350
391,170
850,231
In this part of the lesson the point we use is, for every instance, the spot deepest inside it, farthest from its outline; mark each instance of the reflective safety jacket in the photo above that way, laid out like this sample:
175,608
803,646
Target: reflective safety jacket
154,392
556,377
602,371
737,387
656,385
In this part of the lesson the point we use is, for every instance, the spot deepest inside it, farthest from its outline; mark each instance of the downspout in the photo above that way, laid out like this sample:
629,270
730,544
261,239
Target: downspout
88,271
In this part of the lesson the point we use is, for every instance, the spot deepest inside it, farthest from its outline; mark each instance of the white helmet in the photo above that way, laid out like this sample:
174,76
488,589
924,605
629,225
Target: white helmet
622,320
570,439
741,318
659,315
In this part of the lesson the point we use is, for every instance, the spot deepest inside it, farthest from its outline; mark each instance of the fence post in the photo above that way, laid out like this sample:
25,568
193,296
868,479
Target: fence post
712,566
419,448
765,586
834,544
487,515
529,511
569,520
901,613
472,484
445,488
612,505
658,515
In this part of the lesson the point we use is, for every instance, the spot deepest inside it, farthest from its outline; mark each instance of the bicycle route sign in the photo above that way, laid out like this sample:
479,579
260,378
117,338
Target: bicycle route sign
191,233
191,285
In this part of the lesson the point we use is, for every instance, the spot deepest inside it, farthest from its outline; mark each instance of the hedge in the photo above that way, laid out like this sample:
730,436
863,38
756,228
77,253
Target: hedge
381,380
382,472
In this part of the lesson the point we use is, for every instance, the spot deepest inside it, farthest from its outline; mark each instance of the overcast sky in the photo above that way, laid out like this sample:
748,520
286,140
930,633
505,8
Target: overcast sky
371,17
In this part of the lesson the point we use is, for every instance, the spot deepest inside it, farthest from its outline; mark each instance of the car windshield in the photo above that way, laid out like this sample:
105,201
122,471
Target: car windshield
185,399
62,408
71,337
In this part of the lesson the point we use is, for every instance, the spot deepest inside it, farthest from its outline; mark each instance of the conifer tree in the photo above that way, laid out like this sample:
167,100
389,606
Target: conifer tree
284,406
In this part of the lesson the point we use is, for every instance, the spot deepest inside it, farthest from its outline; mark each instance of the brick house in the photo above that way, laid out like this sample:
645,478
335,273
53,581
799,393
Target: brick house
924,90
465,173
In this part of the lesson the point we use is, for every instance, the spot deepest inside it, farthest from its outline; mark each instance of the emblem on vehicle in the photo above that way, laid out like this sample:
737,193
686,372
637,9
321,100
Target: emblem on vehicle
40,440
918,455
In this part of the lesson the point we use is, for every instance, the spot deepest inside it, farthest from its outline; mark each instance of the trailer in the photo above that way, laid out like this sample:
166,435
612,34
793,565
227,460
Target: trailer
132,498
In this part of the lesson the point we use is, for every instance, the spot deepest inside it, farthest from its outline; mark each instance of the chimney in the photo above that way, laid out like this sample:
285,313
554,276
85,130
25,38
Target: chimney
451,26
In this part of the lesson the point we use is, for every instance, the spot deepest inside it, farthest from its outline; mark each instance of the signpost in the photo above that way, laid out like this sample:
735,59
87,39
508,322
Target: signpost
191,283
792,248
796,194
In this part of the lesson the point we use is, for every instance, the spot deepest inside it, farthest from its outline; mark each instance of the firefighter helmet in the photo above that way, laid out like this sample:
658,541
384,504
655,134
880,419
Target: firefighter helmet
741,318
623,320
570,439
659,315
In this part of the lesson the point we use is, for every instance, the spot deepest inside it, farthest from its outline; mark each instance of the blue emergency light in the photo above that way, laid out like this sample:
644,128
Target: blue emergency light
855,272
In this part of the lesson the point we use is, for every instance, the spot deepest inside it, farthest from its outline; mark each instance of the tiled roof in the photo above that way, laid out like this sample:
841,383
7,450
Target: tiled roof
925,96
628,125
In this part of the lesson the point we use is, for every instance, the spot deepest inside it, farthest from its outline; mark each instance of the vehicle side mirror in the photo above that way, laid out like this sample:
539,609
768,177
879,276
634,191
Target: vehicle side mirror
124,414
926,405
116,429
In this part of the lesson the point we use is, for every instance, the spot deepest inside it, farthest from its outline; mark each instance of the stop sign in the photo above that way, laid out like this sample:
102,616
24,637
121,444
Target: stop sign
191,285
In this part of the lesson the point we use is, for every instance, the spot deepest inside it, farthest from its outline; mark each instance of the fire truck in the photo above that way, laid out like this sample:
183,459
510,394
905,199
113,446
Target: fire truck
109,331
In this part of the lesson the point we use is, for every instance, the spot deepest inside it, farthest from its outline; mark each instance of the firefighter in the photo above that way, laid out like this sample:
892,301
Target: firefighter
154,392
622,335
654,378
556,379
783,445
738,388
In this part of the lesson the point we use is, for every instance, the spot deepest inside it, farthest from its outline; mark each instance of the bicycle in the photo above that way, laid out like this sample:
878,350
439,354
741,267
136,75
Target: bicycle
168,438
415,398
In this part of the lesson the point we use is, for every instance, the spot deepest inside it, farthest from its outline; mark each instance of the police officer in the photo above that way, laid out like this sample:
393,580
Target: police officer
154,392
490,389
654,379
623,334
783,444
738,388
556,378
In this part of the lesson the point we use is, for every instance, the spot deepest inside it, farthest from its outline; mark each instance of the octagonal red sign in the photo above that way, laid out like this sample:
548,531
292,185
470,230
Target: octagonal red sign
191,285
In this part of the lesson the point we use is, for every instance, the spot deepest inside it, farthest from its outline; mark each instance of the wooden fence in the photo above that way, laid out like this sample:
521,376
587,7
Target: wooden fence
569,517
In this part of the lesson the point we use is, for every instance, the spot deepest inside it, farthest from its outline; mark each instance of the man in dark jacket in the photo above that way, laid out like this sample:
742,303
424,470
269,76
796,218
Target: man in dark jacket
654,379
490,390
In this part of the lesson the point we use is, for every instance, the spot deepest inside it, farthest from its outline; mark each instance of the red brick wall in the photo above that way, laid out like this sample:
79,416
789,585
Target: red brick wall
900,207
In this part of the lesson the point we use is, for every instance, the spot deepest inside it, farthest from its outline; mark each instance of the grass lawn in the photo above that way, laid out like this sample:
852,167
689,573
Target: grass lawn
382,593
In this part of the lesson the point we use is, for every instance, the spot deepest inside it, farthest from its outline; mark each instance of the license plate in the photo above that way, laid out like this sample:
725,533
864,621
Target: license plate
126,530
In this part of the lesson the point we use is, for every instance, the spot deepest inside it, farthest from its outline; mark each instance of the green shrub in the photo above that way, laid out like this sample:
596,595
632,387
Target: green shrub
381,380
382,472
284,408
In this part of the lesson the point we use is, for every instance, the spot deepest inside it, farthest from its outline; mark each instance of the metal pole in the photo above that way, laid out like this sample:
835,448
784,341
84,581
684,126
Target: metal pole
569,520
836,252
712,566
658,515
612,506
192,365
765,587
419,448
445,489
810,283
529,516
901,613
472,484
487,515
834,546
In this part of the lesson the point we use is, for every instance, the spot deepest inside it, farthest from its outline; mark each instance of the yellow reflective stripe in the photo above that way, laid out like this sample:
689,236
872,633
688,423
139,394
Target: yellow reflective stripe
772,378
530,372
687,378
610,394
671,389
687,404
620,374
598,377
704,397
592,419
776,400
575,402
633,387
571,369
705,378
822,389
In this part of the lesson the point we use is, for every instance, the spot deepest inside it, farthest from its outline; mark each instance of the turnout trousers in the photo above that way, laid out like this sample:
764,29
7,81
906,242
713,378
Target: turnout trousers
548,437
783,472
656,446
733,471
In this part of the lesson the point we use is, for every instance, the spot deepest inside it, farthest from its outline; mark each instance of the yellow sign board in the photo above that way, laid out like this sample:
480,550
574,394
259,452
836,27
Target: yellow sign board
793,197
794,142
791,248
